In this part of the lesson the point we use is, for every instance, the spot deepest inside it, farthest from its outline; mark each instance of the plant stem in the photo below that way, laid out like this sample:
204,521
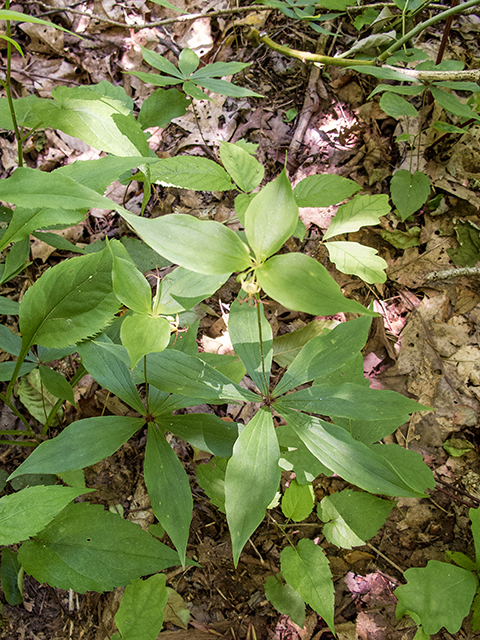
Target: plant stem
260,339
19,443
13,408
8,91
425,25
79,373
146,381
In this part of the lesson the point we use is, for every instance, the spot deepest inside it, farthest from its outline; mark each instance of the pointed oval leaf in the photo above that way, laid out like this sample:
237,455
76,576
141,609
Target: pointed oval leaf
56,384
225,88
80,445
25,513
409,191
140,615
323,190
439,594
129,285
161,107
188,61
307,570
190,172
142,334
69,302
183,289
361,211
157,61
245,170
298,501
301,283
206,431
251,479
452,104
243,327
201,246
86,548
396,106
285,600
358,260
271,217
169,489
10,571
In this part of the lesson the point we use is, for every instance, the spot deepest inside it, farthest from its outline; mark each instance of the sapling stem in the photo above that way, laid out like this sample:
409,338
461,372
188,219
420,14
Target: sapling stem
146,382
260,339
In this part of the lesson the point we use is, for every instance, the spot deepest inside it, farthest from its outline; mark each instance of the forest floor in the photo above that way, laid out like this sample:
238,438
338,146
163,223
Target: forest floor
426,345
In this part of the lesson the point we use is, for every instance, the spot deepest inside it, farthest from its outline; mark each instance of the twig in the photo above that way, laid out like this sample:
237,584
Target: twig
395,566
452,273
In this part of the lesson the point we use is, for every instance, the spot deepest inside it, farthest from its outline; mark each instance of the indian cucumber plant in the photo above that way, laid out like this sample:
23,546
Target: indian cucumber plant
320,417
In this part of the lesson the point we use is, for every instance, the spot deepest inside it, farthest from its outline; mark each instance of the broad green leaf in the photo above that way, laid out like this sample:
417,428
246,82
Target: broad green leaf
409,191
25,513
358,260
245,170
169,489
25,221
468,238
110,371
271,217
298,501
352,401
86,548
56,384
406,464
475,520
9,341
144,257
396,106
9,575
211,477
206,431
323,190
129,285
351,460
220,69
177,372
15,262
403,90
36,398
452,104
188,62
195,92
251,479
476,613
326,353
361,211
203,246
307,570
384,73
140,615
167,4
81,444
6,14
225,88
9,307
117,92
301,283
157,61
24,112
102,122
183,289
190,172
57,241
352,517
285,599
142,334
461,559
31,189
244,325
230,366
439,594
7,369
161,107
154,78
287,346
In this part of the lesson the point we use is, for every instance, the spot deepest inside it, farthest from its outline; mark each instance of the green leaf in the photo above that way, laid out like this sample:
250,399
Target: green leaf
298,501
475,520
461,559
358,260
9,307
406,464
220,69
7,369
230,366
169,489
211,477
9,577
351,460
323,190
326,353
245,170
161,107
25,513
70,302
5,14
101,121
140,615
193,91
285,599
439,594
188,62
402,239
190,172
256,354
159,62
36,398
205,431
86,548
15,261
225,88
468,237
361,211
352,517
56,384
396,106
287,346
403,90
452,104
129,285
251,479
9,341
183,289
307,570
476,613
110,371
144,257
176,372
117,92
384,73
409,192
81,444
57,241
154,78
301,283
142,334
271,217
202,246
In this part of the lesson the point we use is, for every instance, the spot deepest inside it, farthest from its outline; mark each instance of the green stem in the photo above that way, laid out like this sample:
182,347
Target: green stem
13,408
19,443
260,339
8,91
425,25
146,381
79,373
